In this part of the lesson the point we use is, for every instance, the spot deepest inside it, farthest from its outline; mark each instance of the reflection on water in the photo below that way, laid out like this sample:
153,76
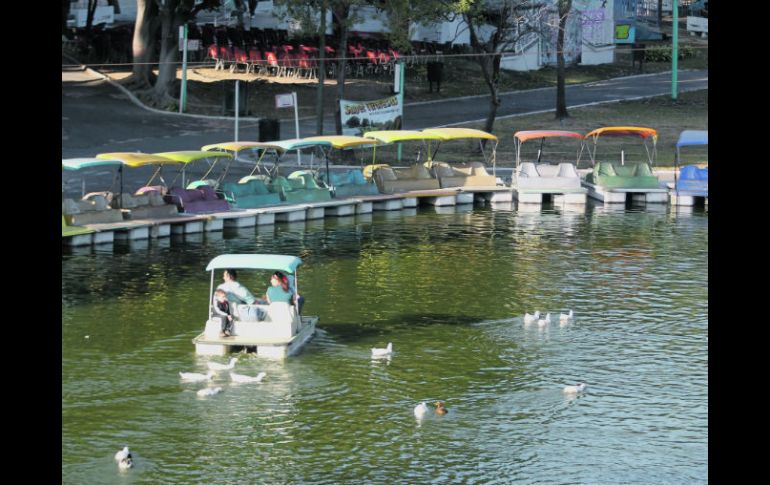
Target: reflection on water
449,290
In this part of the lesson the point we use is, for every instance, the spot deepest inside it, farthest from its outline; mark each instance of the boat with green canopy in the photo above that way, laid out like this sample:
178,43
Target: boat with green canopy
274,330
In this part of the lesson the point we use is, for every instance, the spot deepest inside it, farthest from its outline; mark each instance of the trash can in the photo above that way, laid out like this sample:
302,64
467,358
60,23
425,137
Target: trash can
269,129
435,74
229,99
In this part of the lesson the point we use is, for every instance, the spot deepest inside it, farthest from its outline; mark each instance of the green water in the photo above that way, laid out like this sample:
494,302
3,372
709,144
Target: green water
449,291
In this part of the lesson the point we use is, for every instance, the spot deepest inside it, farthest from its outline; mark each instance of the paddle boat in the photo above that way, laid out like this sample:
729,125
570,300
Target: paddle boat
275,331
91,208
472,178
191,159
692,182
534,181
613,182
349,183
415,182
152,204
101,211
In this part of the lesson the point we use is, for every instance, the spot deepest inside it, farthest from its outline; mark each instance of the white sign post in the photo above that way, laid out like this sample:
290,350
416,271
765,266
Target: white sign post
287,101
237,106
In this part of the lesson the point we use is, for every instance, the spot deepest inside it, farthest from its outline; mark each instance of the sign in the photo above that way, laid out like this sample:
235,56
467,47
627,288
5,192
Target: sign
625,33
397,78
284,100
359,117
192,44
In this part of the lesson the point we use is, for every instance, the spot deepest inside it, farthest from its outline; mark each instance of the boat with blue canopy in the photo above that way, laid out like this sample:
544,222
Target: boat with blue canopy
691,182
276,330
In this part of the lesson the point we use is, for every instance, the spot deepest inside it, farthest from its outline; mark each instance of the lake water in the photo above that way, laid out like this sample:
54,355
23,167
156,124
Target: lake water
449,290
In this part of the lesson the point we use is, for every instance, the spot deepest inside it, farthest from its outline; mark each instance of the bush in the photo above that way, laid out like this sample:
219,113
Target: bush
662,53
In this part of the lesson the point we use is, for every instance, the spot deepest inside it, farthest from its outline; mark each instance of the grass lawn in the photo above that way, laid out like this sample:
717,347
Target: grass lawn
669,117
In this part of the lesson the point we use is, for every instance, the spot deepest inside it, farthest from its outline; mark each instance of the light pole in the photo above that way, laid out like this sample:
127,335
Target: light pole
675,49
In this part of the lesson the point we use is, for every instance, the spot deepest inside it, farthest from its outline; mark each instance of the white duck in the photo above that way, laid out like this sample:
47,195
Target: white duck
209,391
218,366
243,378
194,376
574,389
420,410
565,318
124,459
386,352
531,318
544,321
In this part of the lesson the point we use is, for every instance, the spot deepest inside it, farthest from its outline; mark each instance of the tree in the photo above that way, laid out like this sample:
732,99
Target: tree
505,23
168,15
564,6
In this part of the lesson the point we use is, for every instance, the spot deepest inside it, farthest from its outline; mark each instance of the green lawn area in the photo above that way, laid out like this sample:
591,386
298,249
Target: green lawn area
670,118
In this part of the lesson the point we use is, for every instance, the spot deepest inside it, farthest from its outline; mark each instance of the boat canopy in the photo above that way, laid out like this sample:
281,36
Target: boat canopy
343,142
393,136
624,131
275,262
137,159
693,137
233,146
523,136
459,133
191,156
80,163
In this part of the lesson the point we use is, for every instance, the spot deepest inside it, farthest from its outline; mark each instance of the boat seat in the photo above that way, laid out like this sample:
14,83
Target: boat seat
567,170
528,169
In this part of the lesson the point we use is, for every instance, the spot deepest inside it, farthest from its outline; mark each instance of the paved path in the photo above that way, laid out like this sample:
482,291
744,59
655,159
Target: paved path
97,117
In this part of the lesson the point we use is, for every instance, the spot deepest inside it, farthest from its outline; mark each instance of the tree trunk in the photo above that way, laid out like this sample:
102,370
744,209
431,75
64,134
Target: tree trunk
142,44
494,103
319,103
169,47
561,95
660,13
115,4
90,17
65,12
341,16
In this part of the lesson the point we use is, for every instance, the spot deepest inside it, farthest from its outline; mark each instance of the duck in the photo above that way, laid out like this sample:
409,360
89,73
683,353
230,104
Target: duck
565,318
209,391
217,366
531,318
544,321
194,376
387,351
420,410
244,378
574,389
440,409
124,459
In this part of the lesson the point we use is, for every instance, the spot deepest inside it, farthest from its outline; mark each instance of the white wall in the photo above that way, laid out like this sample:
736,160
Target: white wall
526,61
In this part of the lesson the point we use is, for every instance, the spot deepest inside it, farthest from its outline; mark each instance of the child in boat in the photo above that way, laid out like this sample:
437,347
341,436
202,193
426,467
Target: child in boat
222,308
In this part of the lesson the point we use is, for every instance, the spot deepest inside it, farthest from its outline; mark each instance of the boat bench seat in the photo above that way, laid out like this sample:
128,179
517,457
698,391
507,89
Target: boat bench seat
628,176
472,174
416,177
90,210
693,179
249,194
547,176
149,204
276,320
200,200
350,183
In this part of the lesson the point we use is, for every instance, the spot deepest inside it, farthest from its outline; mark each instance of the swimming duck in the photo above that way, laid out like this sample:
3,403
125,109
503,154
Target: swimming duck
420,410
387,351
440,409
194,376
218,366
565,318
243,378
531,318
209,391
124,459
574,389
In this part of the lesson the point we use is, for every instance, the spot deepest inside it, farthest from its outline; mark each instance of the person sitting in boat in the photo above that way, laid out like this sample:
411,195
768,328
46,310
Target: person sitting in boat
222,308
281,290
236,292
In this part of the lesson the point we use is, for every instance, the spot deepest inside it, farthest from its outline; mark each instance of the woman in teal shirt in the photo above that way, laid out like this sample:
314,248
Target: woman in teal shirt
279,289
